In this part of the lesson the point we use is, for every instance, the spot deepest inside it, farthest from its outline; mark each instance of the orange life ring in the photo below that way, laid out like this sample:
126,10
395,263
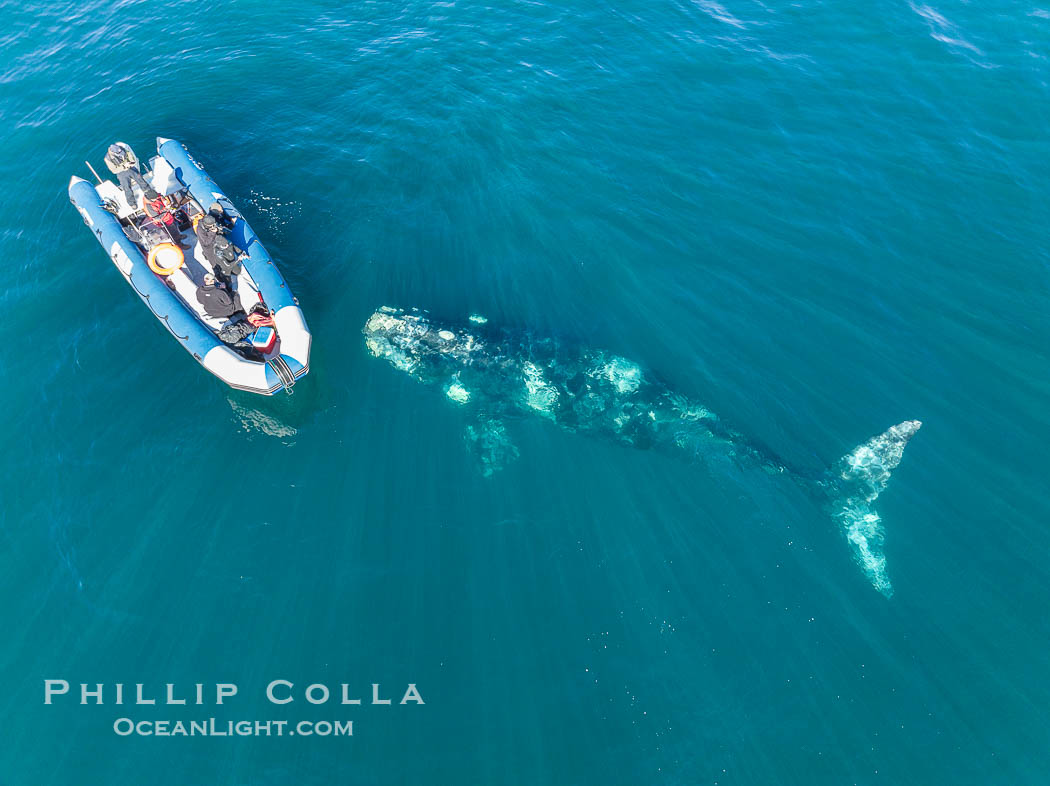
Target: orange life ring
164,251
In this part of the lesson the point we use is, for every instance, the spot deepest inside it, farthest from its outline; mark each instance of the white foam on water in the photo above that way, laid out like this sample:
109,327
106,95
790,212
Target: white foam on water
719,12
278,213
947,33
253,420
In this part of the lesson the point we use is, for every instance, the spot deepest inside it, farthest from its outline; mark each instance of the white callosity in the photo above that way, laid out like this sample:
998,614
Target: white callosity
540,394
404,339
625,376
380,325
457,393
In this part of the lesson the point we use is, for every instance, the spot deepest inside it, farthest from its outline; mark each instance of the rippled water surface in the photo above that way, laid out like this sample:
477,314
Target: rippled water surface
818,219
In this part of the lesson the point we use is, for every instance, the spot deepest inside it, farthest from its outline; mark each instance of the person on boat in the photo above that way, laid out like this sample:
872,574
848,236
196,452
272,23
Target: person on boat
226,221
221,254
161,209
214,221
207,229
218,302
239,327
161,214
122,162
225,257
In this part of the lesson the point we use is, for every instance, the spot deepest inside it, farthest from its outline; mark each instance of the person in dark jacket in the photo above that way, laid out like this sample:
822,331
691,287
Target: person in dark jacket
207,230
221,254
122,162
226,257
218,302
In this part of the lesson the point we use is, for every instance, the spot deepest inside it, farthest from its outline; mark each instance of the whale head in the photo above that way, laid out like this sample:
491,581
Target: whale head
410,343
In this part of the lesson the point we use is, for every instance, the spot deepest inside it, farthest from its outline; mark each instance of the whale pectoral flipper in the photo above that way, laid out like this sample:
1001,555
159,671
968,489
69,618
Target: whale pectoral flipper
856,482
488,442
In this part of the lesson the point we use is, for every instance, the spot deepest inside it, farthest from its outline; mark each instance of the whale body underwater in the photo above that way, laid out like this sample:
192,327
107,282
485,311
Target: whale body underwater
499,373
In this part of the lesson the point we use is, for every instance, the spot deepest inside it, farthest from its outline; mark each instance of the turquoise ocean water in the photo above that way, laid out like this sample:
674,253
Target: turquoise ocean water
818,218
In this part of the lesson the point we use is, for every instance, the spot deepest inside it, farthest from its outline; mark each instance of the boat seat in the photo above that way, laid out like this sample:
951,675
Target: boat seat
108,190
162,177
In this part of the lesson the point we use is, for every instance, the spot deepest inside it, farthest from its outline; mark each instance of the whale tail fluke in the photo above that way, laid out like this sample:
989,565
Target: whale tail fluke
856,482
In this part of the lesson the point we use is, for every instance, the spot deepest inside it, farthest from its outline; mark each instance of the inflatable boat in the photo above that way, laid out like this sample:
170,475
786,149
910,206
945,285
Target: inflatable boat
156,242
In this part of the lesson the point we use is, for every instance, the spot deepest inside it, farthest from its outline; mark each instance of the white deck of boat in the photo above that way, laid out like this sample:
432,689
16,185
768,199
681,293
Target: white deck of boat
191,275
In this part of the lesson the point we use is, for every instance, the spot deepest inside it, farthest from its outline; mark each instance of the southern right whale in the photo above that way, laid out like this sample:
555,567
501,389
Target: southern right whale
499,373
